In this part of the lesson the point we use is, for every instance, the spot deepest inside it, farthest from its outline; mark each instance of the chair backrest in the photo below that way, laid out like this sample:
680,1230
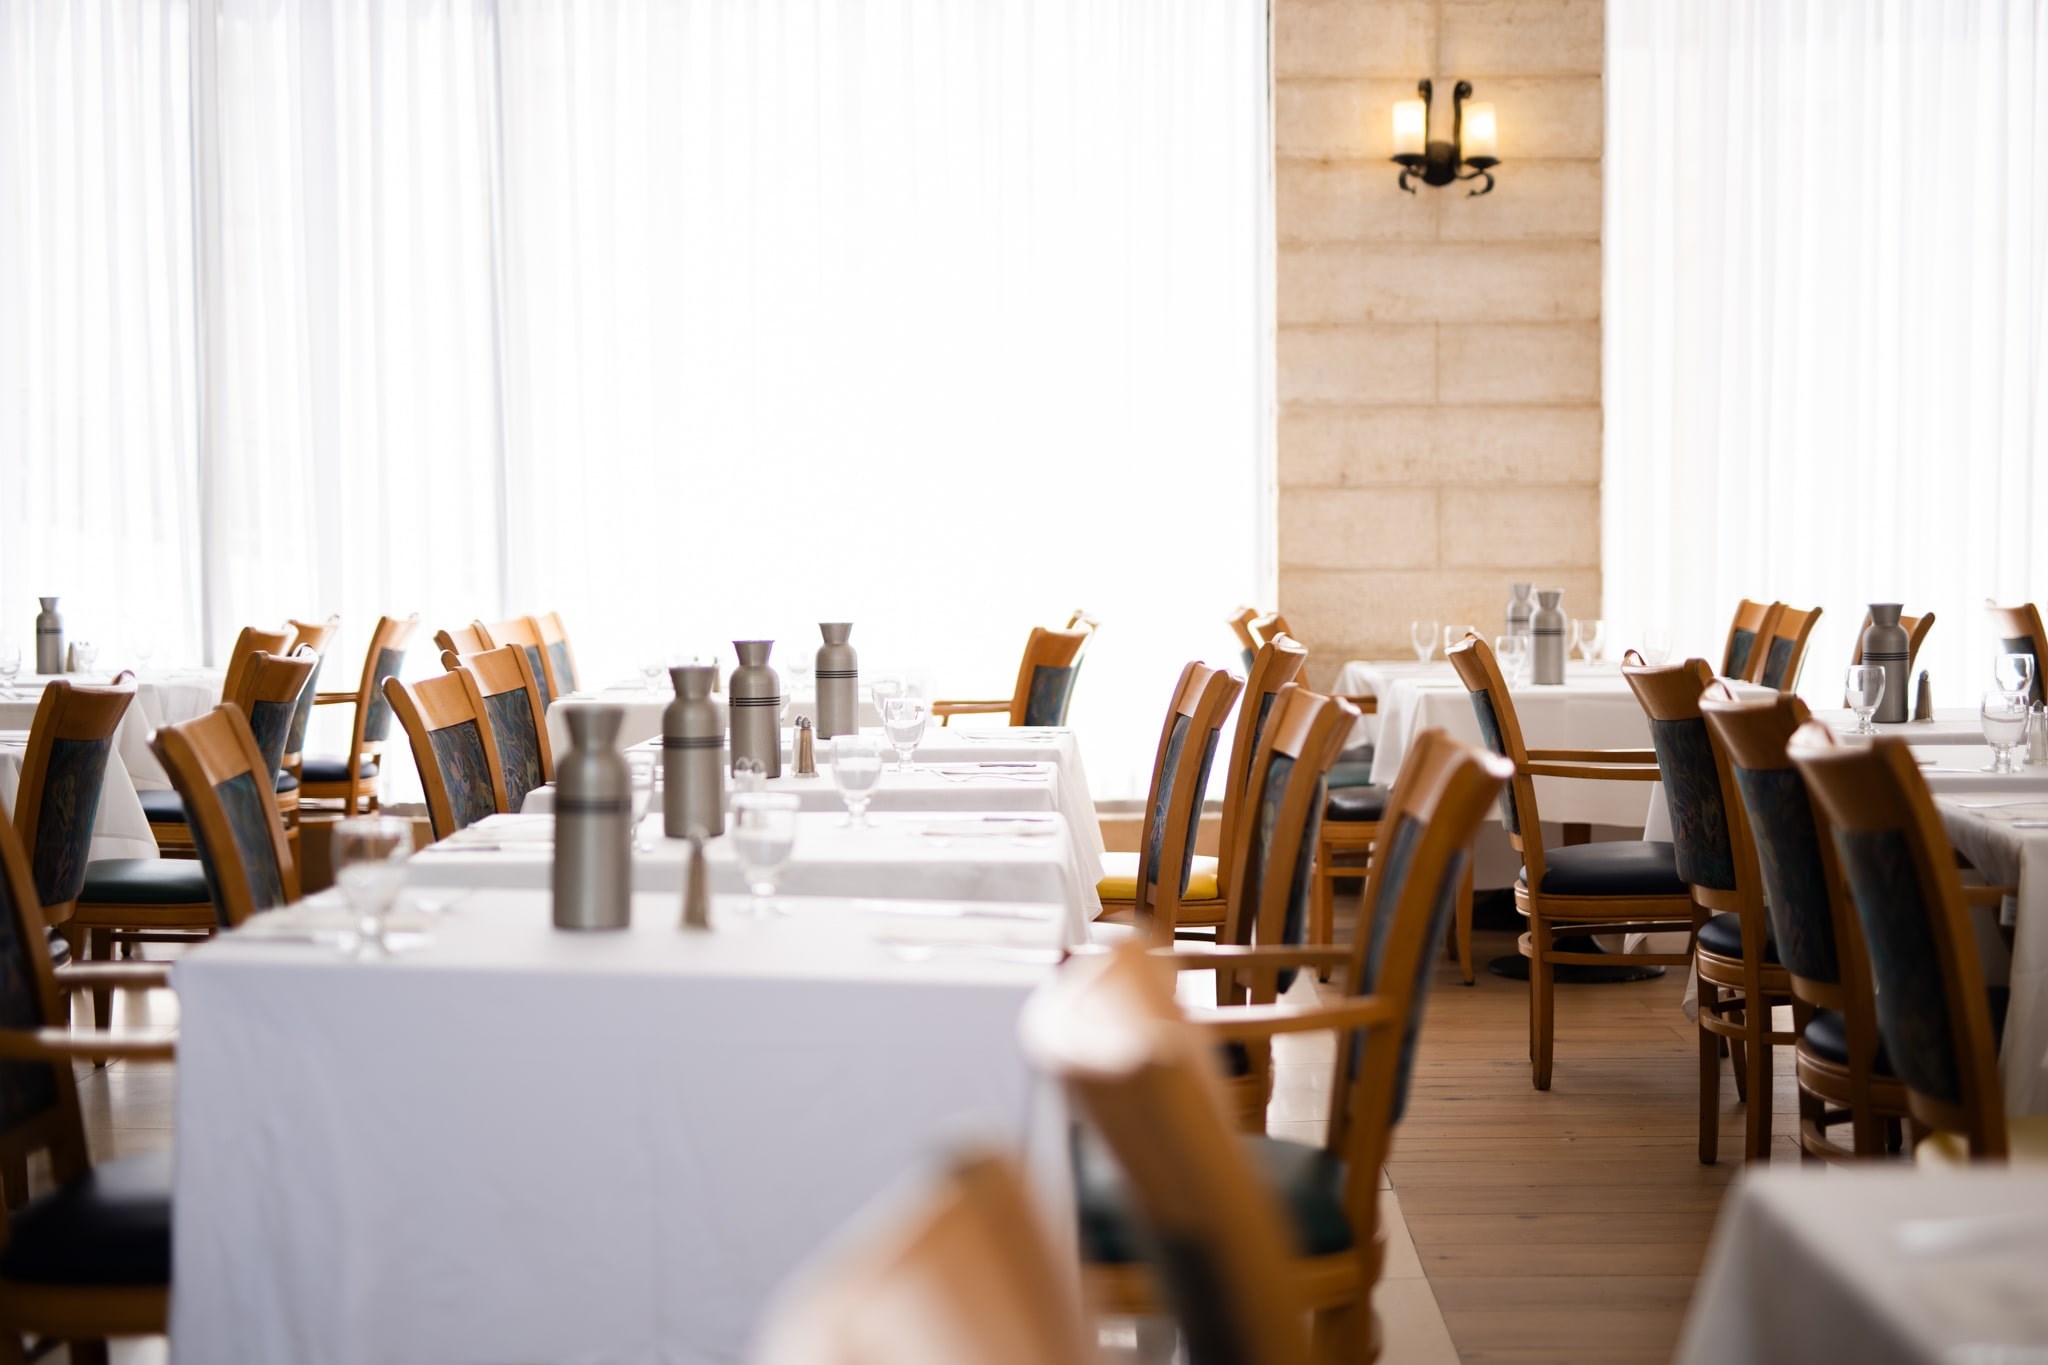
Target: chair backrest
252,639
1916,628
1081,618
38,1102
554,636
2019,632
1107,1027
1045,678
1240,622
318,637
453,746
1713,852
959,1270
1271,626
1272,667
1180,779
314,635
1741,657
228,786
1500,729
382,661
521,631
1783,647
1901,873
509,696
58,799
467,639
269,697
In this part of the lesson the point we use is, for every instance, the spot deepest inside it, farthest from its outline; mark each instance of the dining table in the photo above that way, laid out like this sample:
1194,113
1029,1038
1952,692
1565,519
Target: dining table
2002,829
504,1141
162,697
119,827
993,785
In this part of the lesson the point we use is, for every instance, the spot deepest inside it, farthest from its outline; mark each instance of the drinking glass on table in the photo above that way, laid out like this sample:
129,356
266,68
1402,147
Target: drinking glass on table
903,720
10,669
84,654
856,768
369,853
1589,637
651,674
1863,689
881,691
1513,653
763,838
145,650
641,769
2004,718
1656,645
1422,635
2015,673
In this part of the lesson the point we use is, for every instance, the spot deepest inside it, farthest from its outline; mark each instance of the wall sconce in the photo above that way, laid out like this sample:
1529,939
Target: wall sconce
1474,144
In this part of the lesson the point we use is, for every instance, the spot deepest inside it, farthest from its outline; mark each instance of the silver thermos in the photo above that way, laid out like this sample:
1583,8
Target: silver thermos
838,675
1546,644
593,824
50,639
755,697
1887,646
1519,608
692,757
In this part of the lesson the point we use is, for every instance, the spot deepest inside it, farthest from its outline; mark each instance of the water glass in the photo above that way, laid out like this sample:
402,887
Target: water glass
2004,718
1422,635
1589,637
651,673
84,654
145,650
369,853
1863,689
763,829
904,723
642,769
882,691
856,768
10,669
2015,673
1513,653
1656,645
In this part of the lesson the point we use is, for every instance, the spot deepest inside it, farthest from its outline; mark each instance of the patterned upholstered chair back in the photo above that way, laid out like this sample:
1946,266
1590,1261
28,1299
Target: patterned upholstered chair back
1240,622
1740,657
1273,667
70,743
508,695
453,745
270,695
1500,731
319,637
521,631
247,644
561,657
353,779
38,1102
1901,876
225,780
1180,779
1706,817
1045,679
1783,647
2018,631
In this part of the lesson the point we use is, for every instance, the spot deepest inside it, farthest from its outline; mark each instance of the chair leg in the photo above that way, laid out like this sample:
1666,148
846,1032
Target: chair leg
88,1352
1738,1059
100,948
1461,927
1757,1121
1337,1337
1543,1001
1322,894
1710,1082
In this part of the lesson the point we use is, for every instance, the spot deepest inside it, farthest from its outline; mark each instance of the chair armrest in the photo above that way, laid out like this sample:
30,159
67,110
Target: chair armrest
1249,1023
332,698
1593,755
1368,703
1215,957
1596,773
119,976
62,1045
1993,896
968,708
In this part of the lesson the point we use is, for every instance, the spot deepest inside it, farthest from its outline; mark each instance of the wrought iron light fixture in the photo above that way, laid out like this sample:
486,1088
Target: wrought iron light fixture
1471,154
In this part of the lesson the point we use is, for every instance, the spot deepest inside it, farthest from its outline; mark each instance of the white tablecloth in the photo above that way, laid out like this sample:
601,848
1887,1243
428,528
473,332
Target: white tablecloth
2007,855
164,698
1878,1267
1016,786
930,856
119,828
520,1144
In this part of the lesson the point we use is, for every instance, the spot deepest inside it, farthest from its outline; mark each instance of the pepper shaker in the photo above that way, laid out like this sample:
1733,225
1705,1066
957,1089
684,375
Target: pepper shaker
1923,700
806,748
697,889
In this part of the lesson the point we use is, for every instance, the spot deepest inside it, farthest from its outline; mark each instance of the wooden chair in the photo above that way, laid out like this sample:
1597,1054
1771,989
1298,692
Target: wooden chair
1108,1028
218,765
352,778
508,695
451,742
1240,622
1840,1065
521,631
2019,632
161,807
91,1258
1932,1008
317,636
57,800
467,639
554,638
1080,618
1045,681
1781,648
1270,627
1916,634
1162,894
250,642
959,1270
1740,658
1620,887
1740,977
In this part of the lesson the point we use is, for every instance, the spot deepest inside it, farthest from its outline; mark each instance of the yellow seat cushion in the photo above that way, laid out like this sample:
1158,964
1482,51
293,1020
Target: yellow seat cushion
1120,879
2026,1139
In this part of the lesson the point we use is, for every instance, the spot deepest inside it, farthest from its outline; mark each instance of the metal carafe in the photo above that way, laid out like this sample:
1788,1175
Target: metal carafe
838,675
692,756
593,874
754,696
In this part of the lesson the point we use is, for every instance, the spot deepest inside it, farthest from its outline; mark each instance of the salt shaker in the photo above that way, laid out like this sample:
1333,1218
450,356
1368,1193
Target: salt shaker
2037,735
1923,700
697,888
806,748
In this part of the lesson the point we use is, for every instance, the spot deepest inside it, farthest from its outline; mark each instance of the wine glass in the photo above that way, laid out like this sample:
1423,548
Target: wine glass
1422,635
10,669
145,650
1656,645
2015,673
1590,638
651,674
881,691
904,723
84,654
2004,718
1513,653
369,853
640,769
763,838
856,768
1864,689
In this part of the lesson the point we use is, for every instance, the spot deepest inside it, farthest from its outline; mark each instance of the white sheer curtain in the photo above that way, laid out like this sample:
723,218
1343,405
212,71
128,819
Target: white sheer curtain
98,458
1827,317
944,319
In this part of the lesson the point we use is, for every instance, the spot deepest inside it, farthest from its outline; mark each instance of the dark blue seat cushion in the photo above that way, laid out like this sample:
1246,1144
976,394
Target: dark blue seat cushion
1349,774
145,881
1308,1180
286,782
1628,867
1721,935
163,807
112,1225
334,769
1827,1037
1356,803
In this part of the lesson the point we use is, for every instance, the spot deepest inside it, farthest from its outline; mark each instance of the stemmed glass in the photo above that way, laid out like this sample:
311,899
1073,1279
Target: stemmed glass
1655,646
2015,673
1513,653
145,650
2004,718
1422,635
763,838
369,854
641,768
1589,637
84,654
883,690
1863,686
651,674
10,669
856,768
904,721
